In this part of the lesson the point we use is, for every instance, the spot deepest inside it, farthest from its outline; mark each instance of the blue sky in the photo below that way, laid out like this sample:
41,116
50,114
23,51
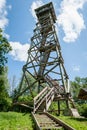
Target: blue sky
17,19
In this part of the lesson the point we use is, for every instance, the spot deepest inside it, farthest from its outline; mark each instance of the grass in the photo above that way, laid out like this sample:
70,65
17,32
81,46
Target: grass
15,121
20,121
77,123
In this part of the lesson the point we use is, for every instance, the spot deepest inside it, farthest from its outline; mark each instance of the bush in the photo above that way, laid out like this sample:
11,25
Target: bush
82,108
5,104
25,98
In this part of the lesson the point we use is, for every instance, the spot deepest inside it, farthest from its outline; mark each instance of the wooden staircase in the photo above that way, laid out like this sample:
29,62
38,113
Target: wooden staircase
53,83
46,121
44,99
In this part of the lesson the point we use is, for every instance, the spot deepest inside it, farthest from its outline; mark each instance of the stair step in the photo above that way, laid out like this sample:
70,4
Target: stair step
53,128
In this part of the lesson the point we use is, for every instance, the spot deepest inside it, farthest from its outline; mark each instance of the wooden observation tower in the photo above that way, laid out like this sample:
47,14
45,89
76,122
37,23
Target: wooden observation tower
45,63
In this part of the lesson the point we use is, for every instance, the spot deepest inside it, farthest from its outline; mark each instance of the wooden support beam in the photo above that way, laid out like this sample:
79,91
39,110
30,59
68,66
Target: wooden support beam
58,107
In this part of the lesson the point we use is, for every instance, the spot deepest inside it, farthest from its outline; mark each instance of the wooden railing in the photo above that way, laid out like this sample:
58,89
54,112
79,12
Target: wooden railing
38,100
47,96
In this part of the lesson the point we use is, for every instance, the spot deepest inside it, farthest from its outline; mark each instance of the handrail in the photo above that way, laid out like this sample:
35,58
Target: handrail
35,98
49,98
49,93
44,95
40,98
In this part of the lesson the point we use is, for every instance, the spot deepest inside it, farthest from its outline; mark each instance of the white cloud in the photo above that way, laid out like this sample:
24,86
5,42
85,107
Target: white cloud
35,5
76,68
19,51
71,19
3,14
6,35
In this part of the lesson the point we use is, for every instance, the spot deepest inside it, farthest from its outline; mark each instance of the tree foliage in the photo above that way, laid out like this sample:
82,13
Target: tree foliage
4,96
4,49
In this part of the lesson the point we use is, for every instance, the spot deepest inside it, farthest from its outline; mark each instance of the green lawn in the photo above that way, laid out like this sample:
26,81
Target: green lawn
15,121
20,121
77,123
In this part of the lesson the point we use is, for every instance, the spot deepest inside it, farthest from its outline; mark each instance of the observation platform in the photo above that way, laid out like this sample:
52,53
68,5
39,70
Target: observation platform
45,9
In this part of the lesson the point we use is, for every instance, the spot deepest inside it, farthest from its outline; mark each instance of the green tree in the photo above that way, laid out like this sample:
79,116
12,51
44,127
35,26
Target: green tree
4,86
4,49
75,87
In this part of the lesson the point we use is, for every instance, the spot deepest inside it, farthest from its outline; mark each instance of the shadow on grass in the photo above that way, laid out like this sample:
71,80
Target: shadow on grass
79,119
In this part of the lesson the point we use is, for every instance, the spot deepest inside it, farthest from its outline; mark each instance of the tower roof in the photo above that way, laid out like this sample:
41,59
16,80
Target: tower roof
44,9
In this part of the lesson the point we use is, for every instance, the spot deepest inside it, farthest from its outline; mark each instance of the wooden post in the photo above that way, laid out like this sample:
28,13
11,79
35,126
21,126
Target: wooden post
39,87
67,100
58,107
67,103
